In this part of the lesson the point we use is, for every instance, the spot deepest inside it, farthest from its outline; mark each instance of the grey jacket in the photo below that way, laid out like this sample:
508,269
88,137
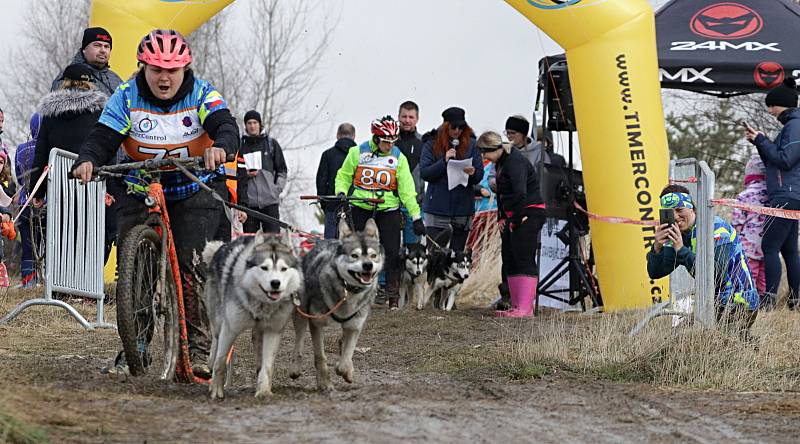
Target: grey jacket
265,188
105,80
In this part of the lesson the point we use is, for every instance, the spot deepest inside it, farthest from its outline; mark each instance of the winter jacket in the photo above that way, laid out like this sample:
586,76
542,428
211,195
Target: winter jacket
23,160
732,279
438,199
105,80
403,194
265,188
750,226
68,115
518,185
190,122
532,151
332,159
782,158
10,189
410,143
486,203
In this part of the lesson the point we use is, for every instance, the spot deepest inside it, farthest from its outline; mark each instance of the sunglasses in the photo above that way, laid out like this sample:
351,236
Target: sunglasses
457,127
391,140
510,133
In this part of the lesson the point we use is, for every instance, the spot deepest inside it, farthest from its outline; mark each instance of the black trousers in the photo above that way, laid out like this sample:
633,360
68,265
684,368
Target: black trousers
518,248
194,221
389,227
251,225
458,240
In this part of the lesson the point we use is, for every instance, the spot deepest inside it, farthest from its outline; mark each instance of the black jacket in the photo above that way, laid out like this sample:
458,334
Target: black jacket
517,185
332,159
410,144
265,188
105,80
68,115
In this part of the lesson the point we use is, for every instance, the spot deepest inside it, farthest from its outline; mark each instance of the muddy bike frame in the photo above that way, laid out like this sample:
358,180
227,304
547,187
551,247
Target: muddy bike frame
158,219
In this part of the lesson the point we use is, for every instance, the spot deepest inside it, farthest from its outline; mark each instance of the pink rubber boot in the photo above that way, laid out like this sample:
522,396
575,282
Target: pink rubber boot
4,282
523,294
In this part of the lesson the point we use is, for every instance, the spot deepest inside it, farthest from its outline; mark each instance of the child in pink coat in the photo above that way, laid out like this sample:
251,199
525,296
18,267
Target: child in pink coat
750,226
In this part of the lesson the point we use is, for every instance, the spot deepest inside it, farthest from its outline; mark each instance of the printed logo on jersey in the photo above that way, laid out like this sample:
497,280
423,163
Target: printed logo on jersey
145,125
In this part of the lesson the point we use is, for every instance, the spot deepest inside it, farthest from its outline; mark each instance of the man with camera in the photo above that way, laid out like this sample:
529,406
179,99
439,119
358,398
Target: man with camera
675,245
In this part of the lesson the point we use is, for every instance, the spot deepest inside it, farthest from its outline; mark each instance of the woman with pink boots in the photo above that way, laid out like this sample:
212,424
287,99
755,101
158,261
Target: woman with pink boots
519,204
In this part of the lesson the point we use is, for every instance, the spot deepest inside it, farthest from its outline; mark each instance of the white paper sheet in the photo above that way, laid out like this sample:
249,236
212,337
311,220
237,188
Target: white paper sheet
455,173
252,161
5,200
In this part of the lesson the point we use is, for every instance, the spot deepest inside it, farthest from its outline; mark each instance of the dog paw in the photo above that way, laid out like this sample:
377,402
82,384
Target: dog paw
262,393
326,387
216,391
346,372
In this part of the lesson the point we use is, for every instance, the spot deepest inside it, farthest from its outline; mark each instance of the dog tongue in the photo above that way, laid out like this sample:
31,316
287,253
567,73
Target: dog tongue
274,295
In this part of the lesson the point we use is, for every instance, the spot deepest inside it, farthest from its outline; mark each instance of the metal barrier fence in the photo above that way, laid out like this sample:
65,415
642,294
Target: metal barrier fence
692,296
75,241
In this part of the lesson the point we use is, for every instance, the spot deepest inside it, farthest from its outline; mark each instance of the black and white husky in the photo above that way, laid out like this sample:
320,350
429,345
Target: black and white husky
414,275
341,283
251,284
446,274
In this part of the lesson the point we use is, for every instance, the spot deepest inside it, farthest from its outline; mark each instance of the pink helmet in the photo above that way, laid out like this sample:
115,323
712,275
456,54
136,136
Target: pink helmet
165,48
385,127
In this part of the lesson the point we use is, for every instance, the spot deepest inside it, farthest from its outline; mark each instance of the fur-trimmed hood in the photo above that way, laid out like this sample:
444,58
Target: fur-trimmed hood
71,101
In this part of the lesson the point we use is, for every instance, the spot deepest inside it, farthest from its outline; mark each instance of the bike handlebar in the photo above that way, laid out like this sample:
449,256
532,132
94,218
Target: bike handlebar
154,165
343,198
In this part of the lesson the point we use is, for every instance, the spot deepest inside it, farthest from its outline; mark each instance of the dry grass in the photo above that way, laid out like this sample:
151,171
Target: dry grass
685,357
480,289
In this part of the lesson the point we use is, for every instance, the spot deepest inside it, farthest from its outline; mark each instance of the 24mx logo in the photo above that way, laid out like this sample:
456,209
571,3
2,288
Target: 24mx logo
552,4
726,21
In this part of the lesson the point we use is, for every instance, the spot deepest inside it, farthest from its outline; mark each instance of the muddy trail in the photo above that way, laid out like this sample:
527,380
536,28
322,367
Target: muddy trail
420,377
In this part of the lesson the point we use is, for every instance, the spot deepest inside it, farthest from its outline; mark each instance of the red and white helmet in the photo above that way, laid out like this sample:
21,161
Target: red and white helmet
165,48
385,127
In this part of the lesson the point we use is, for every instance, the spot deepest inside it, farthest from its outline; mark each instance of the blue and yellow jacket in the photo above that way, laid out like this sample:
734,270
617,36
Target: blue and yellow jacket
732,279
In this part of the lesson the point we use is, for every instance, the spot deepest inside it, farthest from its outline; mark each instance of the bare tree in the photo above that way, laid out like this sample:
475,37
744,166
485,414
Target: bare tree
52,37
272,67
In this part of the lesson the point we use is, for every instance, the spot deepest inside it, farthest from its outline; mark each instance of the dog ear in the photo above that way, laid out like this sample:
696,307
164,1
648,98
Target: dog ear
344,229
468,252
404,252
452,254
371,229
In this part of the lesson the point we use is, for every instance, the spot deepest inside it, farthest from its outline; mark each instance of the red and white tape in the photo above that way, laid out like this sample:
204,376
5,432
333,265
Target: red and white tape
768,211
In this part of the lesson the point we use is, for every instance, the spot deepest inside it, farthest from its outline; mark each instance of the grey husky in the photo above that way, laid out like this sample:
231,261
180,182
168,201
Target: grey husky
251,285
341,282
414,258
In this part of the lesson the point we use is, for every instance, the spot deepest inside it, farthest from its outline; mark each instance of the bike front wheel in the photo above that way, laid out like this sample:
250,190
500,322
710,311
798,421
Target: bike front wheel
147,306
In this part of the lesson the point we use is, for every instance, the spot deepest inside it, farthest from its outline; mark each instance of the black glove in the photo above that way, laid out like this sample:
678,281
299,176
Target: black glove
419,228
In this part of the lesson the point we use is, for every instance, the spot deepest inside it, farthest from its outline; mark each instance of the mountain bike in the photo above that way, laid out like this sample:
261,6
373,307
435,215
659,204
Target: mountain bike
150,307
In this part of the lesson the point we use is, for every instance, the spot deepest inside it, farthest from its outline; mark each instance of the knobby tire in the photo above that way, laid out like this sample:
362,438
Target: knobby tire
143,318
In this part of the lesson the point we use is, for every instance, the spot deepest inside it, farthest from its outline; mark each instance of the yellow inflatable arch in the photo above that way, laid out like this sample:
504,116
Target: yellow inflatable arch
611,50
